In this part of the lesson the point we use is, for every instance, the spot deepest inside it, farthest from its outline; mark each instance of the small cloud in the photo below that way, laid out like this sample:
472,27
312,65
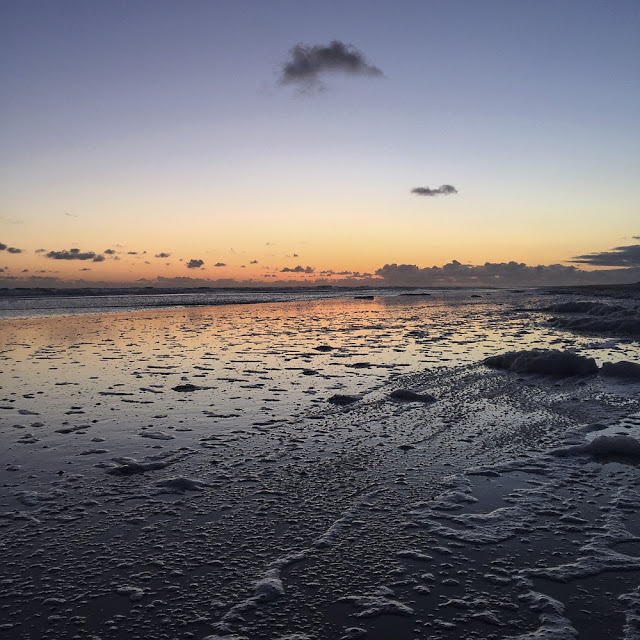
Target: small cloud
85,269
132,253
220,264
4,247
99,258
298,269
442,190
163,255
307,62
40,250
254,262
71,215
73,254
109,252
628,256
194,264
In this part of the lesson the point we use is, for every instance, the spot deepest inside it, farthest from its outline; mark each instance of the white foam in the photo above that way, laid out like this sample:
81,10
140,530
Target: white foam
622,369
554,625
378,603
181,484
543,361
270,587
632,614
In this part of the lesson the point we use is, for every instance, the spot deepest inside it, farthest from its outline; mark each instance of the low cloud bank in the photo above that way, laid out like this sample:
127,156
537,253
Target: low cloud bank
452,274
500,274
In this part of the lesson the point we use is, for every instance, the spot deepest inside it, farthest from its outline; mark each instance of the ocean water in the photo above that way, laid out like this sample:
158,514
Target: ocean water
26,303
176,466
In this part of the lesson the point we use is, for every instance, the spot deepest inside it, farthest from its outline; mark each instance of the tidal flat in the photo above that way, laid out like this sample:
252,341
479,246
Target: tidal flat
323,468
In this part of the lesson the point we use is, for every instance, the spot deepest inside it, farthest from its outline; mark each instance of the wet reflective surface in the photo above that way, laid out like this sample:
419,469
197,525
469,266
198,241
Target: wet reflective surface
181,472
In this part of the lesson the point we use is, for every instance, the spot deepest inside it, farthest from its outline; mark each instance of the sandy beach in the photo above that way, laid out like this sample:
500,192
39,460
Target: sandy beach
342,468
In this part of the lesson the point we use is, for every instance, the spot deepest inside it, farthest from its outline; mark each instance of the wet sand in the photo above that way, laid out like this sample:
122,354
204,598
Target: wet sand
183,474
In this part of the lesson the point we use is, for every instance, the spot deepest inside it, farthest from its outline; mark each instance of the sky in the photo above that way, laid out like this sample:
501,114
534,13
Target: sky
408,142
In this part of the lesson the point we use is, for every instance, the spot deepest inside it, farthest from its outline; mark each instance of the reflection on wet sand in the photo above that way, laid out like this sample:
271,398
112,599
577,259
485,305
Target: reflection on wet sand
182,472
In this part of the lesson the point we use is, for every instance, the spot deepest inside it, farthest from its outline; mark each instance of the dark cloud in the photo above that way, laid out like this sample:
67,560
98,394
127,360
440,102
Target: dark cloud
33,281
40,250
109,252
442,190
298,269
499,274
307,62
75,254
132,253
4,247
163,255
220,264
628,256
194,264
254,262
344,274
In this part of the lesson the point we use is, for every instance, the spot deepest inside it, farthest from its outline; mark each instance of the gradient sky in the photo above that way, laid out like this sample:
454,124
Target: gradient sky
162,127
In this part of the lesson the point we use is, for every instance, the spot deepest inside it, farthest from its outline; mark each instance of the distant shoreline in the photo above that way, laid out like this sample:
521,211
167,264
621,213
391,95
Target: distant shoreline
36,292
633,287
32,292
